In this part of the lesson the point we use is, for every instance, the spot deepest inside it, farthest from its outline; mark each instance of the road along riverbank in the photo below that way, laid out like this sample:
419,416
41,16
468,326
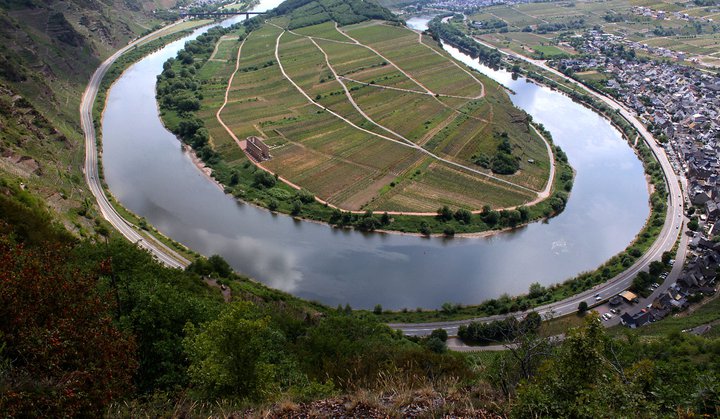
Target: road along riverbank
91,169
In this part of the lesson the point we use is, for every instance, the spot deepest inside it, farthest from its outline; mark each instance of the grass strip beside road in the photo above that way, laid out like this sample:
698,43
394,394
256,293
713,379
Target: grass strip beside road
708,312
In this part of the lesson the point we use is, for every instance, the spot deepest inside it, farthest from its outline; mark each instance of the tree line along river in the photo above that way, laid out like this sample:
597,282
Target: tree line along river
150,175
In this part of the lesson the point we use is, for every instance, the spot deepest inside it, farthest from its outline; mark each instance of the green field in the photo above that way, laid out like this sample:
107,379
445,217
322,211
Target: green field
548,51
375,112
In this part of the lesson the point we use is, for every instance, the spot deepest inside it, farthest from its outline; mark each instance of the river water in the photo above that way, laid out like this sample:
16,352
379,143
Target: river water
147,171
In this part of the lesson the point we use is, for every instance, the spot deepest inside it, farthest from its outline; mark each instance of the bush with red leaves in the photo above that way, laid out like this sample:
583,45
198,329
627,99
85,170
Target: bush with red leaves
61,354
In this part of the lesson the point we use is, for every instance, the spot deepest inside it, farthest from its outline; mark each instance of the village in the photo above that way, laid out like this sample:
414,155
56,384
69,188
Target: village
680,105
663,15
457,6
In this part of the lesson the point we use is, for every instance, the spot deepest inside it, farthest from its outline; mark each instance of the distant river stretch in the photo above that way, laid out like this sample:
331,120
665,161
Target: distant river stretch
148,173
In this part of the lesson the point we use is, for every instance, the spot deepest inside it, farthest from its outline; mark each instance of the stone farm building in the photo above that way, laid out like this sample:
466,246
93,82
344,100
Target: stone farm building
257,148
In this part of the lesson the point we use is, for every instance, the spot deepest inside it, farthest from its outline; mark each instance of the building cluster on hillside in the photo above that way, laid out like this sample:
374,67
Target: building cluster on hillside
457,6
663,15
648,12
696,280
202,3
595,41
681,107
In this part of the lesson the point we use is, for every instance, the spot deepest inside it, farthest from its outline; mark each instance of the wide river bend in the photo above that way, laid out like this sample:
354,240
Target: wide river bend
147,171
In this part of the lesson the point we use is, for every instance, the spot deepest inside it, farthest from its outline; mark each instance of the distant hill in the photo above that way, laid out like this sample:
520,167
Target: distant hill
345,12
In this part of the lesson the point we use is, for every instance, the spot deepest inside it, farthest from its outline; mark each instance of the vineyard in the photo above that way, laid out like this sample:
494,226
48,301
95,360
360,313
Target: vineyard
370,116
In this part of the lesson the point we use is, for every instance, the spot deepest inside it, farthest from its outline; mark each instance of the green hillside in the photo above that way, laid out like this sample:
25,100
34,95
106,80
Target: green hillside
303,13
368,117
48,51
50,48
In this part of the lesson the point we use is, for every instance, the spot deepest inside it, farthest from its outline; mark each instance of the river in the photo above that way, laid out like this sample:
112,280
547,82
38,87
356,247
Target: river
149,174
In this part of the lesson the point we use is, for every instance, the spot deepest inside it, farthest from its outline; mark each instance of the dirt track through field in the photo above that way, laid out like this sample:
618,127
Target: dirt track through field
227,93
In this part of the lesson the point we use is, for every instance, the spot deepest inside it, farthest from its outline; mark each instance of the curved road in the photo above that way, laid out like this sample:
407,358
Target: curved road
665,241
161,252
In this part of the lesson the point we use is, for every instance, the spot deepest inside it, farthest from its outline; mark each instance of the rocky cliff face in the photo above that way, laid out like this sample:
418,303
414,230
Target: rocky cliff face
49,48
48,51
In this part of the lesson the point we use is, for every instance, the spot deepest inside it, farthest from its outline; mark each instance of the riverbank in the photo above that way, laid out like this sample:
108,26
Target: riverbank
148,45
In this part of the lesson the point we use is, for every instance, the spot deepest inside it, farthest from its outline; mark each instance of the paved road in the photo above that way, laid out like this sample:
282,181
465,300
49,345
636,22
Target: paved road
665,241
457,345
161,252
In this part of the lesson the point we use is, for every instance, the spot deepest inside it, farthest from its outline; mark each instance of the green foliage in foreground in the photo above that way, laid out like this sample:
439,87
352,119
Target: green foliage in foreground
177,334
239,354
130,330
591,375
499,331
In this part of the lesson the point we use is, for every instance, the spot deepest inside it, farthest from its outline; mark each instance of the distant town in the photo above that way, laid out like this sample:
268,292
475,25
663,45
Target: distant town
680,105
